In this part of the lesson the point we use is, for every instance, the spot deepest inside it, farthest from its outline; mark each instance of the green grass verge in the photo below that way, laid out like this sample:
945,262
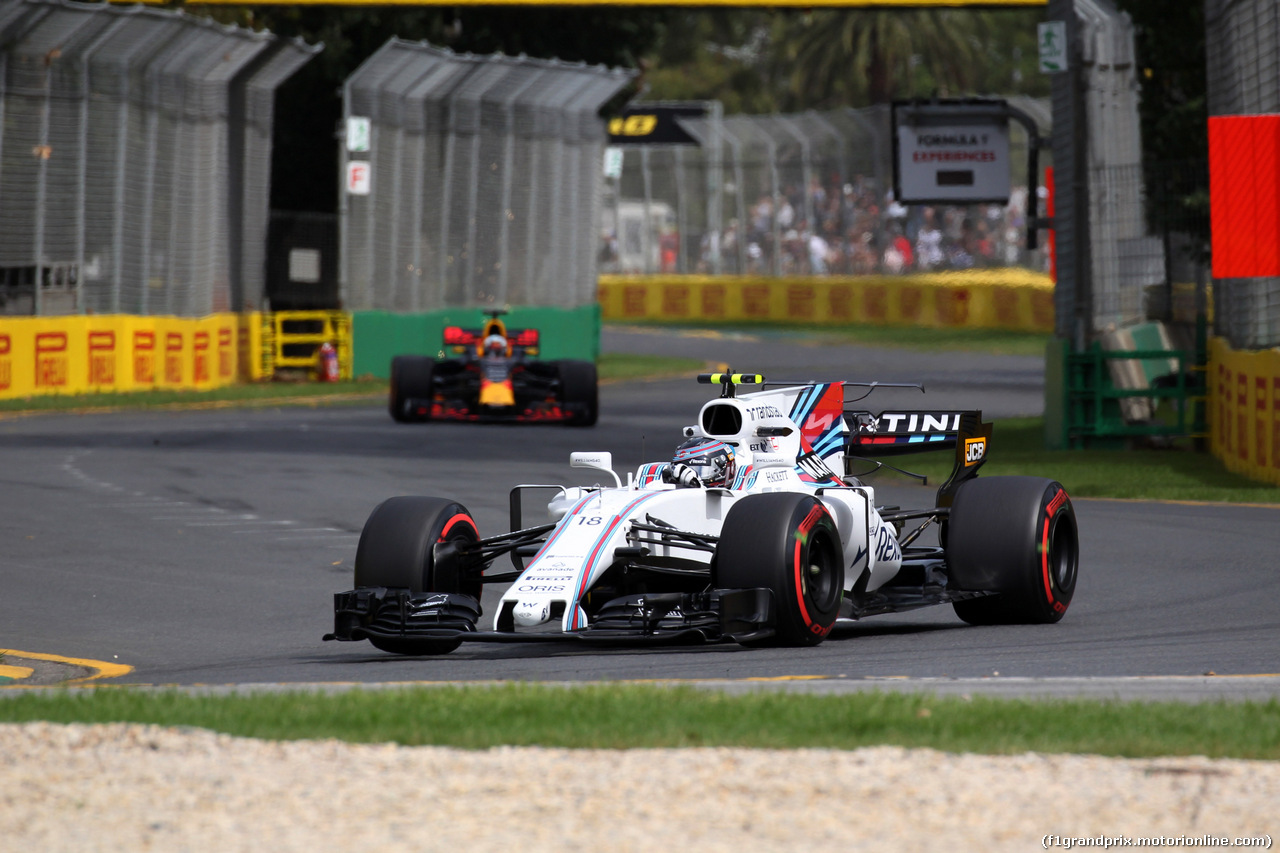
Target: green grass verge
617,367
641,716
1017,447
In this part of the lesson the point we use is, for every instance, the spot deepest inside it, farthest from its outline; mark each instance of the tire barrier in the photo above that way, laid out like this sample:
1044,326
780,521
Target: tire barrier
119,353
1006,298
1244,410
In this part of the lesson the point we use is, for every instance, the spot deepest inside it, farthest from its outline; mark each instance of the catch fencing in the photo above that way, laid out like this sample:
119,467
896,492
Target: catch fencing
470,180
135,153
1242,44
800,194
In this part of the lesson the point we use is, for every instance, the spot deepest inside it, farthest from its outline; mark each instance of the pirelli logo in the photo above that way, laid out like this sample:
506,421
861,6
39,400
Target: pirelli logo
201,356
174,347
975,450
102,358
51,360
226,358
144,366
6,366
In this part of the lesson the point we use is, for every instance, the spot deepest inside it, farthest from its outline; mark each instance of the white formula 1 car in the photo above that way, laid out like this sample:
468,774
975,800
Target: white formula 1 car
747,534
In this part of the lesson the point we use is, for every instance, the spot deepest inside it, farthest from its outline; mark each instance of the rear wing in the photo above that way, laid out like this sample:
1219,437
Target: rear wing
906,431
895,432
461,340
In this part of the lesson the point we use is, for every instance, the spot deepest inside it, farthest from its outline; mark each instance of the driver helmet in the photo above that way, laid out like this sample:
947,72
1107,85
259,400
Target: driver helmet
495,345
710,459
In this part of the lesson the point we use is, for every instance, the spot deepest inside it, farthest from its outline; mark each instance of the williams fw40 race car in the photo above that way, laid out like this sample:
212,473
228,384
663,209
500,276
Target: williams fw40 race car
747,534
493,375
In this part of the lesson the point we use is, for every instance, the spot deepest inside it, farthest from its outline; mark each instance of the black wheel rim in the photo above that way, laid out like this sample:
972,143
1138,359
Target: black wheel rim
818,576
1062,554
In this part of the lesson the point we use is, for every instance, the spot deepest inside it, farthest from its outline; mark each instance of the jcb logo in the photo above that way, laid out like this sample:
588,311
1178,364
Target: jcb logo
974,450
634,125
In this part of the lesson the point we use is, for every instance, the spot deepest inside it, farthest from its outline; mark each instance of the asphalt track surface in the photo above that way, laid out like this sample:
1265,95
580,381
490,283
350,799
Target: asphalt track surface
203,547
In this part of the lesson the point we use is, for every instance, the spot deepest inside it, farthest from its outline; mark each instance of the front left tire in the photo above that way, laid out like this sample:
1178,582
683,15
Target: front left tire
788,543
397,550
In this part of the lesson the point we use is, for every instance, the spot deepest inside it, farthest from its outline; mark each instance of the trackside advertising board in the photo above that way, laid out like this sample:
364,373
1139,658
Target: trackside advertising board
981,299
1244,416
104,353
951,153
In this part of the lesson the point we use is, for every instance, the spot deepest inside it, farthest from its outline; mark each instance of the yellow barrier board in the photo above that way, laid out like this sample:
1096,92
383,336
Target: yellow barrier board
1244,410
119,353
980,299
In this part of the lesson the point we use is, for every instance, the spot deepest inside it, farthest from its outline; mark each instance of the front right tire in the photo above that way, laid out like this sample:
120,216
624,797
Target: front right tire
579,392
411,379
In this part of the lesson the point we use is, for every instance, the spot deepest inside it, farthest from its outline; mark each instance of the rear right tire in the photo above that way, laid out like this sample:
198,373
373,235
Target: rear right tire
1017,537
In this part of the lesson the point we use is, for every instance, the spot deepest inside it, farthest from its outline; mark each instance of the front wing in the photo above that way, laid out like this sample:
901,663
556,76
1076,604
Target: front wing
739,615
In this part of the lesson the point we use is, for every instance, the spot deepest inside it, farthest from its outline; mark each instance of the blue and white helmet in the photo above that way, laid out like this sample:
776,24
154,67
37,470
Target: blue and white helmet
710,460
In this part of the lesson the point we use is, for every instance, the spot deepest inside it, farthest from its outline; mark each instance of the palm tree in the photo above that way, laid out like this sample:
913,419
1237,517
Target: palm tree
860,57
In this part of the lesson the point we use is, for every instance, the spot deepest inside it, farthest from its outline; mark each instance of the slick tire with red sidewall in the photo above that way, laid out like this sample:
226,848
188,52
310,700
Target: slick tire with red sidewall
1017,537
411,379
788,543
397,550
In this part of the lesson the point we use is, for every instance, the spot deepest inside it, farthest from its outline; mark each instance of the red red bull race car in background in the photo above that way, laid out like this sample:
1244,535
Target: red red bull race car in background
492,374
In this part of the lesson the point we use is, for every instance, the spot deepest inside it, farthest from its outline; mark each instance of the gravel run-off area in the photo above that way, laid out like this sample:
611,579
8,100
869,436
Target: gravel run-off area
148,788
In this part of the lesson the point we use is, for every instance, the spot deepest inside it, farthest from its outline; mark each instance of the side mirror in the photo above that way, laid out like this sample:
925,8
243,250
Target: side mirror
596,461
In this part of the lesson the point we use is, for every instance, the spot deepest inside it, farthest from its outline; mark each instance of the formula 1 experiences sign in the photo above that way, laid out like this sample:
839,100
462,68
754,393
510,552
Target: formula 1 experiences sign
951,154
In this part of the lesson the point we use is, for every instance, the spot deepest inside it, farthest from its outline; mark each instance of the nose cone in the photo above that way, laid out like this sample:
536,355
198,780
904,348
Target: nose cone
528,613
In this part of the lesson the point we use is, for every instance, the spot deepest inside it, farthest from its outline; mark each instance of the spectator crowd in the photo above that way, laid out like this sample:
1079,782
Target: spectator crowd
856,229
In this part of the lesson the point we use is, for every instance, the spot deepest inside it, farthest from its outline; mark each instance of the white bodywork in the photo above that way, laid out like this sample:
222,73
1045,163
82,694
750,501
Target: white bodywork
593,523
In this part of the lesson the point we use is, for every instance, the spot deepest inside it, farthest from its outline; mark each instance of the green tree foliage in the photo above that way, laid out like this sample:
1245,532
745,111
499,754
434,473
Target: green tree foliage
770,60
1174,112
719,55
852,58
754,60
